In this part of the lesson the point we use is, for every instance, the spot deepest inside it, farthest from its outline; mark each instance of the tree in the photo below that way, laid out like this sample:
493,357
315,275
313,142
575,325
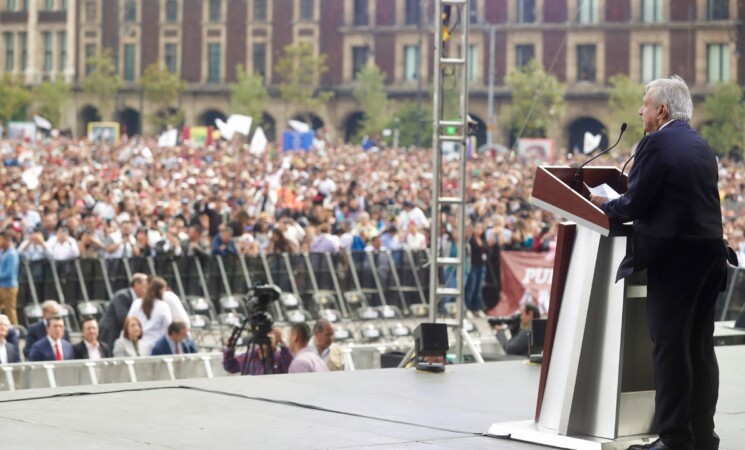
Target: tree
162,89
248,95
624,102
102,81
723,118
370,92
537,100
15,99
300,71
50,99
409,122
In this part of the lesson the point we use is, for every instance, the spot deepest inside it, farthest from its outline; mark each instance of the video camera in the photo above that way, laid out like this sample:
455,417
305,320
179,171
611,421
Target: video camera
510,321
259,320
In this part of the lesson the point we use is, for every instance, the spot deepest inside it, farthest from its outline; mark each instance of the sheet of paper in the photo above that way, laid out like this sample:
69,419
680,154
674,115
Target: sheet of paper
604,191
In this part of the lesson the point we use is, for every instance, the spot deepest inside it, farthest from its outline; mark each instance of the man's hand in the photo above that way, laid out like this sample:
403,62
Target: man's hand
598,200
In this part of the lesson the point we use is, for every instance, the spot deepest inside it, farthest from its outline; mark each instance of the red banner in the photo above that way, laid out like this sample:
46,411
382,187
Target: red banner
526,276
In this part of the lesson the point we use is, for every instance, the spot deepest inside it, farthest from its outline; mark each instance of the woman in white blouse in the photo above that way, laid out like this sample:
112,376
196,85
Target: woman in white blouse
130,344
153,313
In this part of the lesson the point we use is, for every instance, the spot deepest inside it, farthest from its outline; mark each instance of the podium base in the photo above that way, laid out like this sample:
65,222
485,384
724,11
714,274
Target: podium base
528,431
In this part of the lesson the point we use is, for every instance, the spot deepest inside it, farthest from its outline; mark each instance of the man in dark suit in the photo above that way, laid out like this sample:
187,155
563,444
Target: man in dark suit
8,351
38,331
673,199
176,342
90,347
53,347
116,312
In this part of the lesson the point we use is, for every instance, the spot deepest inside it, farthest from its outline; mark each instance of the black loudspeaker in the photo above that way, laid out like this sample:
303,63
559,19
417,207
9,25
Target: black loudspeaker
431,339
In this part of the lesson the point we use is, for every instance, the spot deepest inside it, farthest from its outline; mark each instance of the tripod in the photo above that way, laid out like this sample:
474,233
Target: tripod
258,349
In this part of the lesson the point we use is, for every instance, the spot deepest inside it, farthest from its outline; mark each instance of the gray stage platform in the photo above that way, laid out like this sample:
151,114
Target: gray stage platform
435,411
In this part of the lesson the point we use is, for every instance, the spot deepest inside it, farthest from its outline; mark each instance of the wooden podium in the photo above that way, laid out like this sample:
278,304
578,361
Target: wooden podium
597,384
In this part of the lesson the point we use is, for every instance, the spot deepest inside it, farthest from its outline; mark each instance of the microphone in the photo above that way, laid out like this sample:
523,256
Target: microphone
620,175
576,174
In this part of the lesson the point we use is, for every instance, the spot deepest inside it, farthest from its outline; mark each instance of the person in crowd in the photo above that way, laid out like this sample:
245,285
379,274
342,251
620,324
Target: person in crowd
90,347
121,242
9,264
130,344
196,244
224,244
62,246
8,351
152,312
176,342
305,358
415,239
278,243
33,247
119,306
411,213
324,242
178,311
38,330
89,245
518,341
478,251
323,337
254,360
53,347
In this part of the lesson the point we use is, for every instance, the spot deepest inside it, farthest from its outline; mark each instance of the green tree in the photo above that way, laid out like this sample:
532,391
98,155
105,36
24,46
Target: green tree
15,99
102,81
724,114
300,71
409,122
624,102
369,90
162,89
50,100
248,95
537,100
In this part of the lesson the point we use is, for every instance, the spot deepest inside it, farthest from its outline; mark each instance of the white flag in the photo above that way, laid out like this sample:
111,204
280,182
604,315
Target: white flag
258,143
239,123
300,127
591,142
42,123
226,131
168,138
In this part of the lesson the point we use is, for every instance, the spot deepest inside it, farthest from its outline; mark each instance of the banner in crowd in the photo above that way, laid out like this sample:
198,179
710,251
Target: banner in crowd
293,140
104,132
535,150
23,131
526,276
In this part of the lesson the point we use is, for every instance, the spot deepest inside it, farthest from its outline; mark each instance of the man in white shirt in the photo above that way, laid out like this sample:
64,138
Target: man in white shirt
305,358
8,352
90,347
61,246
409,214
323,337
122,243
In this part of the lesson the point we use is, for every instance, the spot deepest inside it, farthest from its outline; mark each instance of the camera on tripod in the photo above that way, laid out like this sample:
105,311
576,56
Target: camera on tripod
510,321
259,318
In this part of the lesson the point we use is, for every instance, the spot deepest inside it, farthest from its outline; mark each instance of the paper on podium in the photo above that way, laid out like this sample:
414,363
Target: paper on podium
603,191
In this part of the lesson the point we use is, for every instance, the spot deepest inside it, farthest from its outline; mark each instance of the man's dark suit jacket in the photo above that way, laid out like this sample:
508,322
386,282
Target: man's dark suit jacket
43,351
37,332
113,320
12,351
162,347
81,351
672,195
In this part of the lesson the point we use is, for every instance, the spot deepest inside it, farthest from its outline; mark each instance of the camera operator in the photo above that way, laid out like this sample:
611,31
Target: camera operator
256,356
520,329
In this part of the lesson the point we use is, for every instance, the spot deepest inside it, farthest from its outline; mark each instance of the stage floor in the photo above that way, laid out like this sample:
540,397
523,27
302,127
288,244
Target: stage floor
389,408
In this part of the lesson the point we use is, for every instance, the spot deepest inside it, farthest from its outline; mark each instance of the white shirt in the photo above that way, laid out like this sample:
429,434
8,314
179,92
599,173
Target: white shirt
324,356
307,361
178,312
62,251
665,124
124,250
156,326
94,351
56,345
3,353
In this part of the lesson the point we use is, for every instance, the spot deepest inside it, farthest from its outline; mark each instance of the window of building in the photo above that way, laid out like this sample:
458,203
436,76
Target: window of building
307,8
588,11
129,62
525,11
171,57
651,11
474,9
49,5
215,10
359,59
586,63
260,11
411,62
11,5
130,11
259,59
23,39
473,60
62,41
651,55
91,11
213,63
63,5
48,48
718,10
90,52
9,51
172,11
717,70
524,54
361,18
412,12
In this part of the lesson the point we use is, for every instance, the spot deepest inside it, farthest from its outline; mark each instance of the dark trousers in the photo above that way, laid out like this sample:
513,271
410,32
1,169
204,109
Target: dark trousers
682,293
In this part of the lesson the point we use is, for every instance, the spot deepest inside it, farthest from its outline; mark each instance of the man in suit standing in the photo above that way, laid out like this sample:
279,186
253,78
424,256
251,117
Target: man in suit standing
8,351
53,347
38,330
673,199
90,347
113,319
177,341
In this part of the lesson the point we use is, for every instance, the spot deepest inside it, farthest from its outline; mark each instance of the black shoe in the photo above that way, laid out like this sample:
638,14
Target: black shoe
656,445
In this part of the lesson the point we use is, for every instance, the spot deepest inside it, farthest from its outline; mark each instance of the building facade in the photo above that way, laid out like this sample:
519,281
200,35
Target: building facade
583,42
